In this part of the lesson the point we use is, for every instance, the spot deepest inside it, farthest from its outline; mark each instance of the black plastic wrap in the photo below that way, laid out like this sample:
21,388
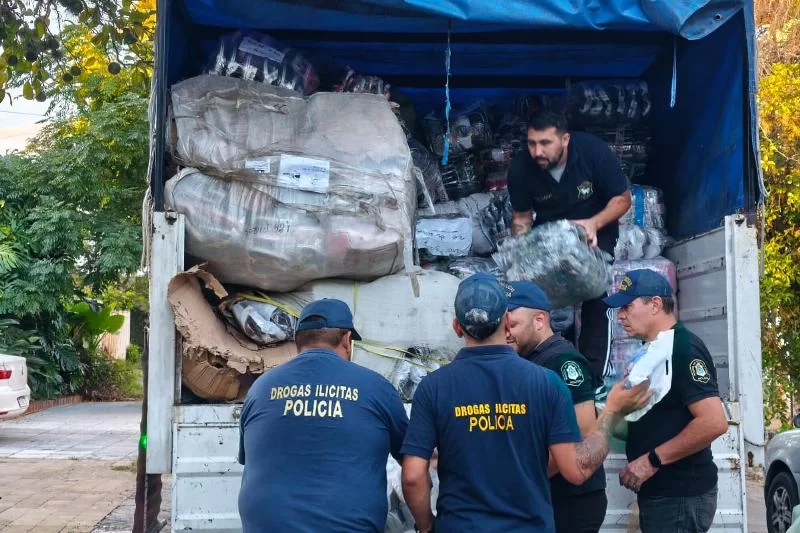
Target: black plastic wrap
256,56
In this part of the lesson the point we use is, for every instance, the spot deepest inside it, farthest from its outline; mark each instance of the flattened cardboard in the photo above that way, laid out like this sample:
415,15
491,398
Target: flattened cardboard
214,355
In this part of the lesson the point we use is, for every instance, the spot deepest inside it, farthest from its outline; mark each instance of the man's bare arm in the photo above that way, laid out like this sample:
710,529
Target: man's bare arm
577,462
586,415
708,423
417,490
521,222
613,211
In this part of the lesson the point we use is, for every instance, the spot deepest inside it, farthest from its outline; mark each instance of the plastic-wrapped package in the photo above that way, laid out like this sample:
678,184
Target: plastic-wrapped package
496,218
464,267
255,233
400,519
231,126
488,221
252,55
637,243
469,129
353,82
555,256
609,101
461,177
562,318
444,235
264,323
418,361
647,208
429,168
314,187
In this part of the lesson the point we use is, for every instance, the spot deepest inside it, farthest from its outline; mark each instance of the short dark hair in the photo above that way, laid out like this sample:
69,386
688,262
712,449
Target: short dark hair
326,336
548,118
668,302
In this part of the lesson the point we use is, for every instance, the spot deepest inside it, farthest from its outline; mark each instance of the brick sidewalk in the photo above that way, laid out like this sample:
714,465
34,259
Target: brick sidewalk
66,496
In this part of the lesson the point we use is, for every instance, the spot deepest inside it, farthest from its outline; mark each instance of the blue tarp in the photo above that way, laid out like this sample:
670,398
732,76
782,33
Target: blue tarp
690,18
705,150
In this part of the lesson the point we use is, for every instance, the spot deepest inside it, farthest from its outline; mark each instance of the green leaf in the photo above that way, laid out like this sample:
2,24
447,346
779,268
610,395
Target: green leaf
27,91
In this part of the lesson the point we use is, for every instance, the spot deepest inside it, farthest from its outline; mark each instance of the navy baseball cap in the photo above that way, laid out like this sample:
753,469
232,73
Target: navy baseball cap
638,283
327,313
481,302
528,294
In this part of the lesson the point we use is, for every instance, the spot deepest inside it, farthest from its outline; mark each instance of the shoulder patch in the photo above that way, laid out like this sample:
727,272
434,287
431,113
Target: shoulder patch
699,371
572,374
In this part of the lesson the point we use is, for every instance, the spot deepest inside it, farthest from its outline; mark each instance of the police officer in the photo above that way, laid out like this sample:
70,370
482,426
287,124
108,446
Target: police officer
493,417
316,433
532,337
671,466
572,176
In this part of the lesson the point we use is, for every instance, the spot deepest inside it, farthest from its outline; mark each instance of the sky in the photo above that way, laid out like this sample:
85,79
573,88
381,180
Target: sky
22,112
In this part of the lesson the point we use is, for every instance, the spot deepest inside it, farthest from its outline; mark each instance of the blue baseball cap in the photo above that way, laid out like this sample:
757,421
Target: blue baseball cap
481,302
327,313
638,283
528,294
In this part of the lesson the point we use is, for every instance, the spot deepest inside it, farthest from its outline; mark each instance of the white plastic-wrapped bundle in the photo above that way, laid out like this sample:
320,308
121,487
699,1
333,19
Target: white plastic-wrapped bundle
637,242
647,208
444,235
228,125
663,266
556,257
312,188
473,206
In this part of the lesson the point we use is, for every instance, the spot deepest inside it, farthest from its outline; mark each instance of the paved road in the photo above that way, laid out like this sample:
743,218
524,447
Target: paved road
71,466
104,431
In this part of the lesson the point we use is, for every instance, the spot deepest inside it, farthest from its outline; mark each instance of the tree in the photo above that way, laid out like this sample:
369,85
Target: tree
49,45
779,99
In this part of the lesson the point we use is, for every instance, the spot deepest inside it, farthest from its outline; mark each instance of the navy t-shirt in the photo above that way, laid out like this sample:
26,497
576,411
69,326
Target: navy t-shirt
591,178
492,415
315,436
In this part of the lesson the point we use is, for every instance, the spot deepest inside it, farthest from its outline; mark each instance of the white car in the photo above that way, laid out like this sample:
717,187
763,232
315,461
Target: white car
15,395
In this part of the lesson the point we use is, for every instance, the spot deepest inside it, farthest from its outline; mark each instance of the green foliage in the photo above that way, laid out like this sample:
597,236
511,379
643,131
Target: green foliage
779,99
70,218
110,380
68,47
133,354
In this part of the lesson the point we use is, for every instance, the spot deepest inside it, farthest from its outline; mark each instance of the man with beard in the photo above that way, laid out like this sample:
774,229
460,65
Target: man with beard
532,337
572,176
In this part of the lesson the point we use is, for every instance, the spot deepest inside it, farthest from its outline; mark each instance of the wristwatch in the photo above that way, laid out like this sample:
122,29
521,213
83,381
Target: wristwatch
655,460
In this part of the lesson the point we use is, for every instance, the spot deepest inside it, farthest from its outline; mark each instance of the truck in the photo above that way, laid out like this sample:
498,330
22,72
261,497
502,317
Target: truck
699,61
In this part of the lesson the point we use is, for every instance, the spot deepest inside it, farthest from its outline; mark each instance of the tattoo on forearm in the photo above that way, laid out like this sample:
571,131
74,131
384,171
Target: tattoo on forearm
593,450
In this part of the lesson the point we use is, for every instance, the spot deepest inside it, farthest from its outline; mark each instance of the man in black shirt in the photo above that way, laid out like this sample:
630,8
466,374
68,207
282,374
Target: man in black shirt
671,466
571,176
532,337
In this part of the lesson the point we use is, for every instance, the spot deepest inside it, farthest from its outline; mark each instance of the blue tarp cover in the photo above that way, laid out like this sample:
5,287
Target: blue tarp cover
705,146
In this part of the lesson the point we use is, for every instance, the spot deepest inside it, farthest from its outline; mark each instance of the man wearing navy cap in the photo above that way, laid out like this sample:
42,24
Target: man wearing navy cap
532,337
316,433
493,418
671,466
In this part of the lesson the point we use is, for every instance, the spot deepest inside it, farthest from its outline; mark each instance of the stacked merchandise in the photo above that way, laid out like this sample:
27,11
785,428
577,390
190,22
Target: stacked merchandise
642,233
280,190
617,111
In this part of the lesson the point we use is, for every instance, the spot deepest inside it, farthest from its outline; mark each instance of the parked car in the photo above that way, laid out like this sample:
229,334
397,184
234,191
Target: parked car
15,394
783,478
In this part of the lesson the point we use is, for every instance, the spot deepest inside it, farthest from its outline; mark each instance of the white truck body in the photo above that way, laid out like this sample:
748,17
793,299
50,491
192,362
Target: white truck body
718,275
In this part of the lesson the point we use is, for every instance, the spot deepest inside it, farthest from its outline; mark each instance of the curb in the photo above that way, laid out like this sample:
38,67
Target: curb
41,405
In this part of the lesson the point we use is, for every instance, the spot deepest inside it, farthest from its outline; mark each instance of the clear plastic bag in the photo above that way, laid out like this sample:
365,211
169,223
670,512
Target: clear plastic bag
263,323
469,129
467,266
256,56
647,208
353,82
429,168
556,256
609,101
562,318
